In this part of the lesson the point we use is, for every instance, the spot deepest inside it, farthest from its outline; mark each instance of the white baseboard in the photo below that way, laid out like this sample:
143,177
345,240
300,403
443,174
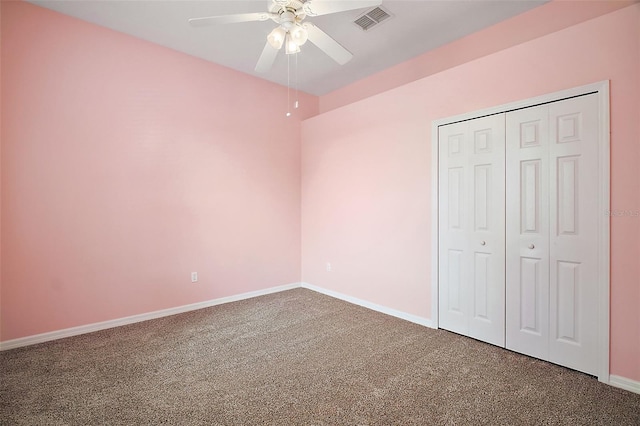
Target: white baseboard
90,328
379,308
624,383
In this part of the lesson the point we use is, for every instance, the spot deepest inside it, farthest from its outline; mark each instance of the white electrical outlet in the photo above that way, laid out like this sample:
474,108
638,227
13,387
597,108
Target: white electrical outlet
328,267
194,277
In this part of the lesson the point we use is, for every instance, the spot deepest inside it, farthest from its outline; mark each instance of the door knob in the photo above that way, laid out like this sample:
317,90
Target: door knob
482,243
531,246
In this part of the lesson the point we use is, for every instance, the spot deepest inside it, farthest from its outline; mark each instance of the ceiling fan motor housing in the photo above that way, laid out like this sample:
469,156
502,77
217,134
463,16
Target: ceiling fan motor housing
279,6
287,19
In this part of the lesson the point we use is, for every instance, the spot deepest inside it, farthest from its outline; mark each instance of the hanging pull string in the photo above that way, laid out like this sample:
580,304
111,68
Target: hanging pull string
297,98
288,87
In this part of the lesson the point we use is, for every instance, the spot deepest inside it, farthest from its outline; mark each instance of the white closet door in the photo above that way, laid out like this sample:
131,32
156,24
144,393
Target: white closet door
552,195
573,303
527,224
471,228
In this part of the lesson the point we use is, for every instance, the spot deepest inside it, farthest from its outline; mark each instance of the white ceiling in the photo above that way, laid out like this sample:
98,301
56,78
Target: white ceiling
417,27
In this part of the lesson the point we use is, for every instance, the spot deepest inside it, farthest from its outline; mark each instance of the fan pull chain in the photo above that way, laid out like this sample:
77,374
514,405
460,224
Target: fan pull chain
288,87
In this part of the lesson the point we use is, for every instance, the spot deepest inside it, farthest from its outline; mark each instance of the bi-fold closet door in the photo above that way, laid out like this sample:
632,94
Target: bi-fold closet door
517,230
472,228
552,239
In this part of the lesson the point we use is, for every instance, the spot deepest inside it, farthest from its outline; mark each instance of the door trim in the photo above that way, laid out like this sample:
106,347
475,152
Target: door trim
604,178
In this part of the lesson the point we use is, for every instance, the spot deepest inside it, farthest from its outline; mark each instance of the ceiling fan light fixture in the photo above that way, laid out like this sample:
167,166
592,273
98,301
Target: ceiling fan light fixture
290,45
299,34
277,37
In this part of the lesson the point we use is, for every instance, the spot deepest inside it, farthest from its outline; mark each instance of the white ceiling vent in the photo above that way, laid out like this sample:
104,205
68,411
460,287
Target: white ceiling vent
372,18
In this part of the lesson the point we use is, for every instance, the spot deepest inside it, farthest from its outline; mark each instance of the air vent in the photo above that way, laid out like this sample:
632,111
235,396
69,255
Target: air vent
372,18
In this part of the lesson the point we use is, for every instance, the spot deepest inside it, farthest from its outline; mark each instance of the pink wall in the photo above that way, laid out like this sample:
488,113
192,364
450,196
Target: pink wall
366,169
125,166
553,16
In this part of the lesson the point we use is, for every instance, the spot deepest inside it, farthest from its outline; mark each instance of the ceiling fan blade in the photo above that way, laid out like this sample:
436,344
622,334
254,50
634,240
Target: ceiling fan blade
325,7
230,19
327,44
267,58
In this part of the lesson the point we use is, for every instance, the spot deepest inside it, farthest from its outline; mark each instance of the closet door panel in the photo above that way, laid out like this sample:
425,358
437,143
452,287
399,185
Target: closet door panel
471,228
453,253
573,238
486,320
527,231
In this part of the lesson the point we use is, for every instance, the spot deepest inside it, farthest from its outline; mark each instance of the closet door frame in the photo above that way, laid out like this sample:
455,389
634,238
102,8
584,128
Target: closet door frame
604,177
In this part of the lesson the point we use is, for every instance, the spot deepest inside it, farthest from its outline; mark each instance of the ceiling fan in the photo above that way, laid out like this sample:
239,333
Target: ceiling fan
292,31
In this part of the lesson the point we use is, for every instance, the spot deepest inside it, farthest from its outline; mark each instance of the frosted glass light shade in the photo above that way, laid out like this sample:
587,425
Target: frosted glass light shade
299,35
276,37
291,46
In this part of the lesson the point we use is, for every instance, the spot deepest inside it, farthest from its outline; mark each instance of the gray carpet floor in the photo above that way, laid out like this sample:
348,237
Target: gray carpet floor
295,357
